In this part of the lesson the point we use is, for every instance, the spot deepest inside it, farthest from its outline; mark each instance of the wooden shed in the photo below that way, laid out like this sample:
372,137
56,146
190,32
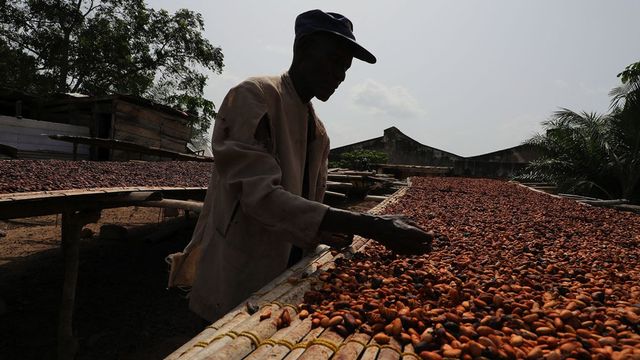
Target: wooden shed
116,117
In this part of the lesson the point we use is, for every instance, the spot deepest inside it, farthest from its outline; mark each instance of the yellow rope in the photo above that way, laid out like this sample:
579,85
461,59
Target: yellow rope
201,344
302,345
273,342
232,334
255,340
212,327
268,342
286,343
364,345
328,344
391,348
411,354
280,305
373,345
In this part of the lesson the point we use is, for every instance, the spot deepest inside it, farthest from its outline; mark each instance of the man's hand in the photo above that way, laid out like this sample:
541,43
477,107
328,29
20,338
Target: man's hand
401,235
336,241
396,232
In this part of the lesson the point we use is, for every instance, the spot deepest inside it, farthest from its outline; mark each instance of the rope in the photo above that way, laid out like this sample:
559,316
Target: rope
372,345
201,344
285,343
280,305
328,344
268,342
273,342
232,334
300,346
391,348
255,340
411,354
361,343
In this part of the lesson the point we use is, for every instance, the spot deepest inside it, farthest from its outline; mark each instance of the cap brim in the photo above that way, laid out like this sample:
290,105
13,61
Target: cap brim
359,52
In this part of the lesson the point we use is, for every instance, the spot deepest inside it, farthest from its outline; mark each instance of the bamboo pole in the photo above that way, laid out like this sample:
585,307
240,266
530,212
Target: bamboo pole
242,346
352,347
286,289
208,334
295,353
220,341
391,352
323,350
248,340
370,352
293,335
409,353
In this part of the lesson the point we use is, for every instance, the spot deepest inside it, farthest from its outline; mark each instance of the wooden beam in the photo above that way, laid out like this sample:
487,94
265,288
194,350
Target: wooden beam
174,204
72,224
13,206
129,146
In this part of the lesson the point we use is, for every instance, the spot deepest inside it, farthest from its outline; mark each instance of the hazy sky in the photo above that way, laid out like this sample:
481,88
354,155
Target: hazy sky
468,77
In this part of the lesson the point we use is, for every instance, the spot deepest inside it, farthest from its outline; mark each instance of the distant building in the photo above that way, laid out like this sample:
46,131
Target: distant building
122,118
498,164
403,150
400,149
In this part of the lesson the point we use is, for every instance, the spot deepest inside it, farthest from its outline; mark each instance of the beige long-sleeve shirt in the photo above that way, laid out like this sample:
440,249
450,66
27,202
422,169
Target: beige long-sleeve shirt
254,210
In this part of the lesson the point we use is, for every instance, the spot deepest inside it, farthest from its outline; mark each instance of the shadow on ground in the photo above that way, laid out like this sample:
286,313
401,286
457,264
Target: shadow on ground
123,310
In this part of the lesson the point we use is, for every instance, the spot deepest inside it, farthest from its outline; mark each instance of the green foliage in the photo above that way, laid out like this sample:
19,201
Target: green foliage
100,47
594,154
630,74
359,160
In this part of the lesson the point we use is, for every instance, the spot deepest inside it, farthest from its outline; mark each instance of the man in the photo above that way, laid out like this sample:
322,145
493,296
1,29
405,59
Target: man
270,174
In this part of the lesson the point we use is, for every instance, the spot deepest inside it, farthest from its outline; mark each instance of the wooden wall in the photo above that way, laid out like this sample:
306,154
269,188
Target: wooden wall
148,127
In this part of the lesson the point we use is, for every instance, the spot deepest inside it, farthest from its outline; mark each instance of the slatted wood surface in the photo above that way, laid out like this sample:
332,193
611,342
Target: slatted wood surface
241,335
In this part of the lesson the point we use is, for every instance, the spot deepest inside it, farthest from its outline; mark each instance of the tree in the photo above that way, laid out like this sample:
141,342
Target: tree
360,159
595,154
100,47
574,148
625,116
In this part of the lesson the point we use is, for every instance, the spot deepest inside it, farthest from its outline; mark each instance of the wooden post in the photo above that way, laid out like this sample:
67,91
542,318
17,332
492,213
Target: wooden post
72,223
75,151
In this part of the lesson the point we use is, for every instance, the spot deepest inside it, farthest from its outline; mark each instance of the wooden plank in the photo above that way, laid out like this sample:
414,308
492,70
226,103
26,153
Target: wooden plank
145,114
181,133
146,130
13,206
130,146
39,124
155,134
155,120
27,135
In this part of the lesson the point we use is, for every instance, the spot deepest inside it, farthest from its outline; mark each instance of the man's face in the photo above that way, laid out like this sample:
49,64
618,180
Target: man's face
327,64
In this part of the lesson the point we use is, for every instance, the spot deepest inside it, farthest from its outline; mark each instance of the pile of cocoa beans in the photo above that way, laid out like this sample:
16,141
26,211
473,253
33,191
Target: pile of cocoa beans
514,274
45,175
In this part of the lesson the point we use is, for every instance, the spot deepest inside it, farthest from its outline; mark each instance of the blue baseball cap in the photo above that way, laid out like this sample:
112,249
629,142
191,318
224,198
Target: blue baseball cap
318,20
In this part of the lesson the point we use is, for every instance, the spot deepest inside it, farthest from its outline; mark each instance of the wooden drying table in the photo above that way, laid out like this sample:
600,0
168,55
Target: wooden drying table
240,335
79,208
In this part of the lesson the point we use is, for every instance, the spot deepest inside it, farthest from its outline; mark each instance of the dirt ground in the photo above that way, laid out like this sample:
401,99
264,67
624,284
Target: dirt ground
123,309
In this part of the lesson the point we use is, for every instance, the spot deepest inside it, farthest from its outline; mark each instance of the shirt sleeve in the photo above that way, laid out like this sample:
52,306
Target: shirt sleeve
251,172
